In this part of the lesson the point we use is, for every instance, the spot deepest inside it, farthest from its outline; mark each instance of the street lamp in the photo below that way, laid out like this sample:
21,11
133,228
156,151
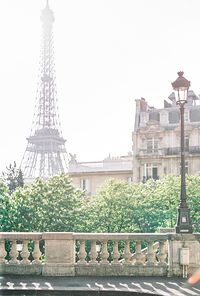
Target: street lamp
181,86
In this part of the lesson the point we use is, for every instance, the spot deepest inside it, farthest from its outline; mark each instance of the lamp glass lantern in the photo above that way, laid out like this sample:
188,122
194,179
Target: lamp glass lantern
181,86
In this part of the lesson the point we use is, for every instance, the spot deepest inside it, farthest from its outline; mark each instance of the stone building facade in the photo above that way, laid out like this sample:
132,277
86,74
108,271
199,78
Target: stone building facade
156,139
90,176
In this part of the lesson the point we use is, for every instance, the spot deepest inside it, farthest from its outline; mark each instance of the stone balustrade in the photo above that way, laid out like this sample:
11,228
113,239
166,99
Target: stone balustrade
96,254
121,254
20,253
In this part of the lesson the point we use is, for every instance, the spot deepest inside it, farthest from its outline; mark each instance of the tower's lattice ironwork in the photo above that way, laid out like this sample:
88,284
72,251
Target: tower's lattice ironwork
45,154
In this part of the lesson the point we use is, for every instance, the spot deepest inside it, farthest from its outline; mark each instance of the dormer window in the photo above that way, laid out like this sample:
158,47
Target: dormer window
154,116
174,117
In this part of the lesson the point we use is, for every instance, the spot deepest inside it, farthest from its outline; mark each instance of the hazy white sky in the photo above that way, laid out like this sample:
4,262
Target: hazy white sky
108,53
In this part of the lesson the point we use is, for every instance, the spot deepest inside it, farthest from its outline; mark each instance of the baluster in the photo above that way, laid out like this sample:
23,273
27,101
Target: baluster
105,253
82,253
93,253
162,255
3,252
116,253
139,256
14,253
151,257
25,253
127,253
36,252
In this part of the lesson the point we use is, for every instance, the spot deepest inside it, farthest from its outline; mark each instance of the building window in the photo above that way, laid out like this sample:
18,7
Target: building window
164,117
85,184
186,115
150,172
152,145
186,143
130,180
195,115
186,167
154,116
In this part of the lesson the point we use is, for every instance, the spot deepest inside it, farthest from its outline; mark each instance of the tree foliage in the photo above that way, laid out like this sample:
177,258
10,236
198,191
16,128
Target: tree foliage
112,209
51,205
119,207
4,208
193,192
157,203
13,177
55,205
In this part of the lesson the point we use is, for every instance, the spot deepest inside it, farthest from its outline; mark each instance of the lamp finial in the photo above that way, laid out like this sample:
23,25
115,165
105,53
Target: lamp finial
180,73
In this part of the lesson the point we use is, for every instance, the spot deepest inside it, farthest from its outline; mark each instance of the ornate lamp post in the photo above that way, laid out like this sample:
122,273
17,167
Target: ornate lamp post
181,86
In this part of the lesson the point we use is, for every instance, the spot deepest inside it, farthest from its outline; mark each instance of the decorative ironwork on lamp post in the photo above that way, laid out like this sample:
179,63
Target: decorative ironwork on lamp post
181,86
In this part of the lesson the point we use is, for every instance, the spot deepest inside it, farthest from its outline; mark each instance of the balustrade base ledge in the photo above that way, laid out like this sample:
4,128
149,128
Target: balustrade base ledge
53,269
17,269
120,270
58,269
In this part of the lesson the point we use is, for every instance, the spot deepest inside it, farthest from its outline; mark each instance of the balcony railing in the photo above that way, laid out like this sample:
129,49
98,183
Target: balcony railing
172,151
169,151
95,254
143,152
176,150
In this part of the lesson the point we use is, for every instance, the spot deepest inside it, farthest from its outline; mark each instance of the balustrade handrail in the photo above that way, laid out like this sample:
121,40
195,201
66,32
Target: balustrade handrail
21,235
83,235
89,235
122,236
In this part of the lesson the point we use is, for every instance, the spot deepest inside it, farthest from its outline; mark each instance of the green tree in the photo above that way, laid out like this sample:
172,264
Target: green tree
193,193
55,205
157,203
119,207
112,209
13,177
52,205
4,208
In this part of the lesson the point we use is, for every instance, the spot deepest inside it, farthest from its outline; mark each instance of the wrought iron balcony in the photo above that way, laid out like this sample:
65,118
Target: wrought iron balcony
168,151
176,150
172,150
144,152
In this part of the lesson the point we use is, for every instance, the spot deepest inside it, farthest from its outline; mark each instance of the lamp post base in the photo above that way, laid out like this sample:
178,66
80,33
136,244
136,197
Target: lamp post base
183,221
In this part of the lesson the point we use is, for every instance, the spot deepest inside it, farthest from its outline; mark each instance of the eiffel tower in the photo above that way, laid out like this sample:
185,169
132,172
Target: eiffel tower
45,154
